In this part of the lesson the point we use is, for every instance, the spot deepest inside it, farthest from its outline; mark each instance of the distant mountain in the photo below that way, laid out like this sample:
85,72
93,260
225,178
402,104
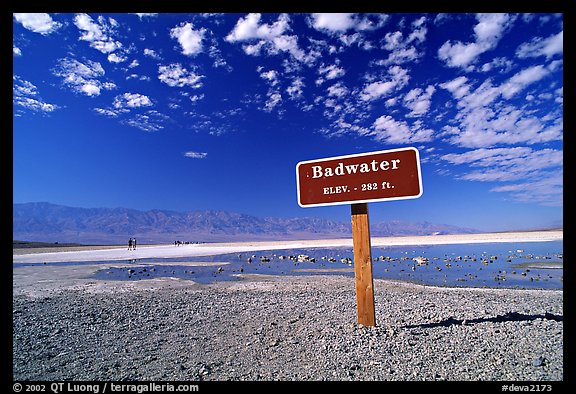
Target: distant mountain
47,222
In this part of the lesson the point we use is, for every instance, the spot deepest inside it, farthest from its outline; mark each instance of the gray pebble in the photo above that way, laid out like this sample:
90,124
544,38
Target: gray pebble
289,328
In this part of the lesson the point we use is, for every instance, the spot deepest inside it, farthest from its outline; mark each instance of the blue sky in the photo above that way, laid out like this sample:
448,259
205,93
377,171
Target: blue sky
213,111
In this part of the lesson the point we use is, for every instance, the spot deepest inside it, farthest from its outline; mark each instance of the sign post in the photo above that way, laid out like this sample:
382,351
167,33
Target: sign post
358,179
363,264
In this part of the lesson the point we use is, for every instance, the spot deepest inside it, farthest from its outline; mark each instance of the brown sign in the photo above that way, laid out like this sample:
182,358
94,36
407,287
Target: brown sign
367,177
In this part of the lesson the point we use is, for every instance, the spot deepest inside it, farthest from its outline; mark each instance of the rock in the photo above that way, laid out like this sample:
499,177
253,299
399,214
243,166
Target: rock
288,329
204,370
538,361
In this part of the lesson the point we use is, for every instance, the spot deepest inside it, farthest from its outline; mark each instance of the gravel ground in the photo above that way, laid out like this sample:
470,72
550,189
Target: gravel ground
288,328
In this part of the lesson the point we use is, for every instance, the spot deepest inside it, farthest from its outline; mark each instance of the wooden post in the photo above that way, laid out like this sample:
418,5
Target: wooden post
363,264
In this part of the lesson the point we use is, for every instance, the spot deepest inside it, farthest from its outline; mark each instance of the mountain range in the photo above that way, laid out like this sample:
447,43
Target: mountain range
42,221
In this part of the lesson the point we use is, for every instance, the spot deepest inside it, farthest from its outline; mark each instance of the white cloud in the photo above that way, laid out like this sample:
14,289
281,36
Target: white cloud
150,121
484,127
90,89
418,101
274,100
190,40
404,50
142,15
249,28
487,116
377,89
195,155
109,112
82,77
196,97
16,51
335,23
98,34
539,172
507,164
132,100
457,87
331,71
522,79
488,32
175,75
115,58
38,23
270,37
505,65
337,90
393,131
271,76
553,45
152,54
398,79
546,191
25,94
295,90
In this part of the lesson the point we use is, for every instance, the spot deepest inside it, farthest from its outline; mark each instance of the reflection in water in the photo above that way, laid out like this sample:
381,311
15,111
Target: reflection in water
510,265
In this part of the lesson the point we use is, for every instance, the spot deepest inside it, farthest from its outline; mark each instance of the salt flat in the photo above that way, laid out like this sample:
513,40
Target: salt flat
69,326
192,250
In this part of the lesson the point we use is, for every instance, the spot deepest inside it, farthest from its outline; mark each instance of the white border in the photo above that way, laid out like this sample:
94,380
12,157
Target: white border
360,201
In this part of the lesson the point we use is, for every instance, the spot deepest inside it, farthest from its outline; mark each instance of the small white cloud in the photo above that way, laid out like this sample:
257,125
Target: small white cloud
398,79
175,75
274,100
539,172
25,94
553,45
115,58
295,90
196,97
82,77
98,34
271,76
268,37
377,89
90,89
142,15
403,50
522,79
132,100
337,90
195,155
190,40
149,121
331,71
337,23
393,131
418,101
457,87
16,51
488,32
38,23
333,22
108,112
249,28
151,54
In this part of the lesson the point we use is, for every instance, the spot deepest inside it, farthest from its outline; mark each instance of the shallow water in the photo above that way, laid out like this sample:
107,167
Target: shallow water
494,265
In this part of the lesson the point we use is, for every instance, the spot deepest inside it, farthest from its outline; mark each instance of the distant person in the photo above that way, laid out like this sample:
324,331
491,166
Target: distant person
134,244
130,244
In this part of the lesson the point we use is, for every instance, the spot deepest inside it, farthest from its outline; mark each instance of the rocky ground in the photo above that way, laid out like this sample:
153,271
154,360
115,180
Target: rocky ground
288,328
